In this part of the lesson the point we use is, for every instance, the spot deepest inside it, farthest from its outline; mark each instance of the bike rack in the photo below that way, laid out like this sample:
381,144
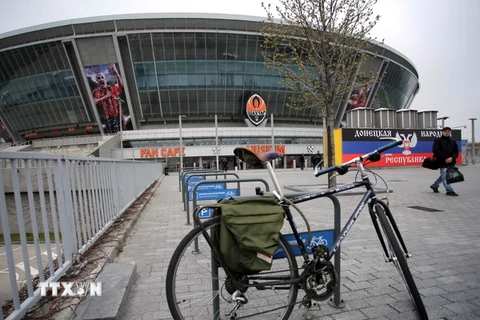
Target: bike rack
186,205
336,302
182,170
194,173
194,201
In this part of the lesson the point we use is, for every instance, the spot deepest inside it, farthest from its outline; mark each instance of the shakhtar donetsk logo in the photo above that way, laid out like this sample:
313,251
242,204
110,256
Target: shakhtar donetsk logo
410,141
256,109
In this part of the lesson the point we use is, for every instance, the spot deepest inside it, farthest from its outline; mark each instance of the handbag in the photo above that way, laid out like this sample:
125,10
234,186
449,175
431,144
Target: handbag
454,175
430,163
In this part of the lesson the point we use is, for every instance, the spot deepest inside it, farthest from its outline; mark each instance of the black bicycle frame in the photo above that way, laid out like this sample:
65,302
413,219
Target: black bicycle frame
369,194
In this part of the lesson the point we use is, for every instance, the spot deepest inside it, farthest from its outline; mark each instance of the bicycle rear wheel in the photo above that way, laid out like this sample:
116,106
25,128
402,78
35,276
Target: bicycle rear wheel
195,290
398,258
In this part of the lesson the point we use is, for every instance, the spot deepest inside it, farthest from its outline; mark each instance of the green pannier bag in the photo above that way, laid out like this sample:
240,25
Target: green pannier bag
249,233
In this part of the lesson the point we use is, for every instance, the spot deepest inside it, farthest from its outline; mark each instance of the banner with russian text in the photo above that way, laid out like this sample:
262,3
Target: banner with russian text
416,146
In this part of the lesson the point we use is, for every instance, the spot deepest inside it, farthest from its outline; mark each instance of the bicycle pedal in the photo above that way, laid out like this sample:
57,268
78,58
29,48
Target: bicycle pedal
239,298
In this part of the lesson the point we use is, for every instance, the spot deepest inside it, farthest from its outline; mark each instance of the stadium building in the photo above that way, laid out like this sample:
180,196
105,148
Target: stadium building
190,88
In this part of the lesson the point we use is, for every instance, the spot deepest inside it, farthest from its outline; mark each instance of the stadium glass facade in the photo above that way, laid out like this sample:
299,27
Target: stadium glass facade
162,72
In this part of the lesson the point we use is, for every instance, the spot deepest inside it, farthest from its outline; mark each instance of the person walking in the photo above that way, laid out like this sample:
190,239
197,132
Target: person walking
302,161
224,164
316,159
445,150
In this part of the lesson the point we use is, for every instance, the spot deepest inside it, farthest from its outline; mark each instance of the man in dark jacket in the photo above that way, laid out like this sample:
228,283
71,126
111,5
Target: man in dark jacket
445,150
316,159
302,161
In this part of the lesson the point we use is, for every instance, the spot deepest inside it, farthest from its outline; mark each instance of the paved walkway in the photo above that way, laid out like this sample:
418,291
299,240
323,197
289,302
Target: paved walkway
445,245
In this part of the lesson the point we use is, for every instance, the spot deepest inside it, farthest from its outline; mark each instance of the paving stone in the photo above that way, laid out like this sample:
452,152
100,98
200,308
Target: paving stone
445,247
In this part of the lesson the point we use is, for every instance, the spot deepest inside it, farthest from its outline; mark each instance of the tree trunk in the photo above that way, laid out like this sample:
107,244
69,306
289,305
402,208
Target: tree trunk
332,181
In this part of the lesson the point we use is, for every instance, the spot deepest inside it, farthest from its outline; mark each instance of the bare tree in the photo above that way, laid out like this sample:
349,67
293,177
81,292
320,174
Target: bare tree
319,46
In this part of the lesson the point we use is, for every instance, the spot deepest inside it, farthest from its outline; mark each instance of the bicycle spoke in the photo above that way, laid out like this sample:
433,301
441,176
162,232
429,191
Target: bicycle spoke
191,293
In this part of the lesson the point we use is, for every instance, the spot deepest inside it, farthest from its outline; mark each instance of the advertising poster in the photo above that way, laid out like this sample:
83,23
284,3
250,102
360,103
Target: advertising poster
359,96
106,85
417,145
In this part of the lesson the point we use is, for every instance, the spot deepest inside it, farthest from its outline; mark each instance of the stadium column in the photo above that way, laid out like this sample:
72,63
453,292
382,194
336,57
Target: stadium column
126,87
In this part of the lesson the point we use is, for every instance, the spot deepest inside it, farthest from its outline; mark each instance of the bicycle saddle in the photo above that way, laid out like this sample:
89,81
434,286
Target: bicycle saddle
247,156
253,159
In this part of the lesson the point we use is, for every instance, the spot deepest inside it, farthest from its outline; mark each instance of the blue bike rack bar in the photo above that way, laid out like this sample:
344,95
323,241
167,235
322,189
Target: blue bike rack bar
194,201
197,173
182,170
185,188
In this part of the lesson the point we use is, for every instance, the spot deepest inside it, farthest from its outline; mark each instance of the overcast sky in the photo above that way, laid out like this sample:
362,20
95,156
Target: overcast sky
440,37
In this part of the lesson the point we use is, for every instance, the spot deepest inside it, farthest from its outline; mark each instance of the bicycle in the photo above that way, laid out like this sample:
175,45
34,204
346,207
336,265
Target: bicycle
200,286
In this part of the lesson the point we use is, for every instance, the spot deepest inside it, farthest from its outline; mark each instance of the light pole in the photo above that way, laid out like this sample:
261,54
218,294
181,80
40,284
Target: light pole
473,139
216,149
181,142
443,120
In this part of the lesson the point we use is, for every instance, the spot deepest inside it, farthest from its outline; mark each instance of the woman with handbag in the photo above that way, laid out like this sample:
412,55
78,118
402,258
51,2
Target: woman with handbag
445,150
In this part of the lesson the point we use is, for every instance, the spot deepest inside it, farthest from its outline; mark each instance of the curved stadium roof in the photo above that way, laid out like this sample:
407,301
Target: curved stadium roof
152,21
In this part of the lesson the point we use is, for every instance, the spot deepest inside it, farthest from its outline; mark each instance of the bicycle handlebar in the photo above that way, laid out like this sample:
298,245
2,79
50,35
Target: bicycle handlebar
343,168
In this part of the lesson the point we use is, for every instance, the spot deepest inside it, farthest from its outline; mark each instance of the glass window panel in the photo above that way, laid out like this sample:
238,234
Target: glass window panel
211,66
200,46
169,45
222,50
6,63
202,96
141,82
180,66
162,81
211,48
139,69
231,46
161,67
146,46
238,80
151,82
58,54
211,80
171,80
135,49
170,67
190,46
158,46
179,47
200,80
148,70
144,101
251,48
182,80
201,66
191,67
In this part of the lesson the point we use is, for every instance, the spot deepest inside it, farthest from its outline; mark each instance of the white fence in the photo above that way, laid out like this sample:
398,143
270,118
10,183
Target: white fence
53,208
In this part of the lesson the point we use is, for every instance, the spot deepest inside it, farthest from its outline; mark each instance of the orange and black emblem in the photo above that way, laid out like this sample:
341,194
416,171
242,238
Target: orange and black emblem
256,109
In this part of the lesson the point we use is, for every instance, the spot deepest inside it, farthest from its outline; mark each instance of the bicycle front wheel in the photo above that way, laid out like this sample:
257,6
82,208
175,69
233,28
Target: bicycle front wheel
197,289
397,256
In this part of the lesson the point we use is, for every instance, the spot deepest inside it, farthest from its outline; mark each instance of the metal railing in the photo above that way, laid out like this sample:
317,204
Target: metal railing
67,141
53,208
